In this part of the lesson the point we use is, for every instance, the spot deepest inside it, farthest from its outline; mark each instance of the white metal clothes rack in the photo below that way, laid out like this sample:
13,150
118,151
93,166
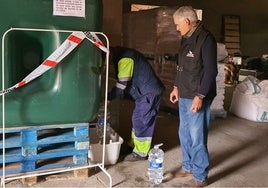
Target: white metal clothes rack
100,165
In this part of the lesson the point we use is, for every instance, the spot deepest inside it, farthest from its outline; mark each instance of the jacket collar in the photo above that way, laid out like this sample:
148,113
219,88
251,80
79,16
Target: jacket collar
197,26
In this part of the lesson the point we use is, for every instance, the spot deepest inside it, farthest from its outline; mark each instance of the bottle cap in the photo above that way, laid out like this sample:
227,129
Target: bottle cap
158,145
101,121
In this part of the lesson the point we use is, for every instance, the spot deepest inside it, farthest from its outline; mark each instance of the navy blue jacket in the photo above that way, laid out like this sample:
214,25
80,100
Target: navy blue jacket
144,79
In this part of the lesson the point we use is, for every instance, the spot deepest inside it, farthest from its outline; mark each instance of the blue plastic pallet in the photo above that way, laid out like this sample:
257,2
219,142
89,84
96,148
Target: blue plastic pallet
31,146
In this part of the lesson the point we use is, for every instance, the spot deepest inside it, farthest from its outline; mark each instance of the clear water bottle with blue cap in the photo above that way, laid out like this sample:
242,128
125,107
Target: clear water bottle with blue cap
155,164
100,122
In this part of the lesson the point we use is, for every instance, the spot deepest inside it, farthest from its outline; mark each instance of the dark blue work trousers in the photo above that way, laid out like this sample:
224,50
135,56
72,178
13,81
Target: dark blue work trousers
143,121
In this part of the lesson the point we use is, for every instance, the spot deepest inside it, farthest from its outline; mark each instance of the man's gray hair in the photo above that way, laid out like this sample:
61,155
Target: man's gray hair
186,12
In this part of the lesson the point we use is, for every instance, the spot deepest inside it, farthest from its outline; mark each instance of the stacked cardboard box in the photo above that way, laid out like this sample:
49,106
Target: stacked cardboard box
153,33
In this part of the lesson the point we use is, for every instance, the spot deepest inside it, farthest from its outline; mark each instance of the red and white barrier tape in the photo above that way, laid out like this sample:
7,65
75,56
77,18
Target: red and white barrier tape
65,48
92,37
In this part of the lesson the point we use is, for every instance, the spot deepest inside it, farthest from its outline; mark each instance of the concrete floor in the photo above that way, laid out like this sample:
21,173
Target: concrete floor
238,153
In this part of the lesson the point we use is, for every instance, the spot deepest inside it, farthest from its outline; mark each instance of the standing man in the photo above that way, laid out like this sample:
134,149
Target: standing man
136,77
194,89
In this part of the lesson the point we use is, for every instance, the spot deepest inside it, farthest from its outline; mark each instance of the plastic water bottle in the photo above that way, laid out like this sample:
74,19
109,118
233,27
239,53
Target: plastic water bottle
100,122
155,164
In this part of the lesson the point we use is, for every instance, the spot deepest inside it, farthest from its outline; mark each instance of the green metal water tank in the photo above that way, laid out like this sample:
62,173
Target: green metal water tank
67,93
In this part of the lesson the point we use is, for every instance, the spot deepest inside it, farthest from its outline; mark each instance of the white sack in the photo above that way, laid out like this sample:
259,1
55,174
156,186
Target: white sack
250,100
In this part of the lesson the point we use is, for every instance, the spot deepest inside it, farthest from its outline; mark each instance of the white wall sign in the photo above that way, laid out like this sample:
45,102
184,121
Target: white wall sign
69,8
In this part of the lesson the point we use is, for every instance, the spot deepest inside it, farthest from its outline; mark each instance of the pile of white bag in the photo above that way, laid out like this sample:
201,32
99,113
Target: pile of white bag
250,100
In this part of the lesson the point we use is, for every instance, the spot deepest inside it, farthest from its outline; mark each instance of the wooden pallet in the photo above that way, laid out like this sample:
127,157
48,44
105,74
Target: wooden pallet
231,25
42,148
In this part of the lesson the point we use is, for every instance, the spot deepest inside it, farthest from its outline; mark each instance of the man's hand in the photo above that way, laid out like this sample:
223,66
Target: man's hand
174,95
197,104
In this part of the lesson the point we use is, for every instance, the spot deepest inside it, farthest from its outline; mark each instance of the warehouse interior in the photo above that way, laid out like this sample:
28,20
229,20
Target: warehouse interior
252,20
238,145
